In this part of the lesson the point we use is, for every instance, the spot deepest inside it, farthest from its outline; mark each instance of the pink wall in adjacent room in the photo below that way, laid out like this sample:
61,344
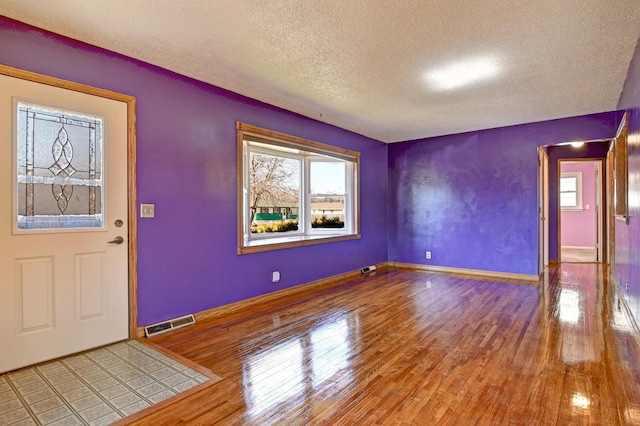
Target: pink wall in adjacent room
578,227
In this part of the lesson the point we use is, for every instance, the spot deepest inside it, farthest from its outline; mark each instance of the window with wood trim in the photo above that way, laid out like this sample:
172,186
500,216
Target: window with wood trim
293,191
571,191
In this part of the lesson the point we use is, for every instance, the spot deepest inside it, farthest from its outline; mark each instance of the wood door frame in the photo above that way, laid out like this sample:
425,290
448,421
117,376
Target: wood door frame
543,210
602,207
131,171
611,214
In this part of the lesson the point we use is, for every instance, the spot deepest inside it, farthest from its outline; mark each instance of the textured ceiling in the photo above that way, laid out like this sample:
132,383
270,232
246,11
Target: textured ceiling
363,65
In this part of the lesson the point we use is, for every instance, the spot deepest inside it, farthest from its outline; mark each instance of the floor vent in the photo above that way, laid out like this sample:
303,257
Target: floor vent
165,326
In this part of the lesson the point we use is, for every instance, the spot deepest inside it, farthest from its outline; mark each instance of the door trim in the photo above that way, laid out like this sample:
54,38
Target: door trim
131,170
543,210
611,219
601,251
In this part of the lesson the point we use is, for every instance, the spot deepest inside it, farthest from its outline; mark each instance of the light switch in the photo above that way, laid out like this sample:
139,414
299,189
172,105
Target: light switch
587,207
147,210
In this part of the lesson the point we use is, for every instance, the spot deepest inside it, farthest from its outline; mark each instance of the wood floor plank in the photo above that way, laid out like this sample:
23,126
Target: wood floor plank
406,347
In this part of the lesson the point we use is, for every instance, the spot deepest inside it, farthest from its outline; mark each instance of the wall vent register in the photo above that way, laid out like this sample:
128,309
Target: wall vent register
166,326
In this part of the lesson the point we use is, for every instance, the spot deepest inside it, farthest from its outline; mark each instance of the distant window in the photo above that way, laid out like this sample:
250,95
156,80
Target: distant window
310,188
571,191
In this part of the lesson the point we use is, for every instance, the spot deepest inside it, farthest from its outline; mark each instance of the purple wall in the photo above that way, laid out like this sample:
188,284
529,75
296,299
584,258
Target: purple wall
186,166
471,198
593,150
627,268
578,227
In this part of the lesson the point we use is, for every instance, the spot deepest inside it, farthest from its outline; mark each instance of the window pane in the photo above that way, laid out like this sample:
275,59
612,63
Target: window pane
274,188
328,177
568,184
327,212
568,199
59,159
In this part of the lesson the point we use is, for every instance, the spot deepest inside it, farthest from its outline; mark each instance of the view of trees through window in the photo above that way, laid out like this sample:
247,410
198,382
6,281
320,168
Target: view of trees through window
293,191
275,187
274,184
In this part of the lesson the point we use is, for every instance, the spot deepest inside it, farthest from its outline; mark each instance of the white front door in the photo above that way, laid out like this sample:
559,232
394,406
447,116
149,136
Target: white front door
63,222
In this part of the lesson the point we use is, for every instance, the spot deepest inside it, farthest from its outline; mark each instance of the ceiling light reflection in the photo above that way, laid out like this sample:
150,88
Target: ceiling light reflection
580,401
632,414
463,73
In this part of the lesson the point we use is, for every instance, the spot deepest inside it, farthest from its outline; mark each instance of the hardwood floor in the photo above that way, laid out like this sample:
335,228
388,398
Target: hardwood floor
418,348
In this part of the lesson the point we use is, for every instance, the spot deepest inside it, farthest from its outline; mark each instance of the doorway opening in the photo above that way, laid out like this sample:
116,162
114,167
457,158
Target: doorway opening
550,160
580,216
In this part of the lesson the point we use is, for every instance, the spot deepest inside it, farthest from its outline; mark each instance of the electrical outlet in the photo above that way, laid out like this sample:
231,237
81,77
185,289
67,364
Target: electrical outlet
428,254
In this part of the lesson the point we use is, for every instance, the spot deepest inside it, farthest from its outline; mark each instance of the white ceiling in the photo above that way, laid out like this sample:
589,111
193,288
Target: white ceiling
362,64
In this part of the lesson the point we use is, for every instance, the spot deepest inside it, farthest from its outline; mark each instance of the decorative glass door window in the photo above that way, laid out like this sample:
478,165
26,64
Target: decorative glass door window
59,174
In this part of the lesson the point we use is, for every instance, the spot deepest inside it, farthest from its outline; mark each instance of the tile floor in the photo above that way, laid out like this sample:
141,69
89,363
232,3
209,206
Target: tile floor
97,387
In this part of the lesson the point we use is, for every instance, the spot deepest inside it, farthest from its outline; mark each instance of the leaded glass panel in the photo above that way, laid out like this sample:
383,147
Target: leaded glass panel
59,168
